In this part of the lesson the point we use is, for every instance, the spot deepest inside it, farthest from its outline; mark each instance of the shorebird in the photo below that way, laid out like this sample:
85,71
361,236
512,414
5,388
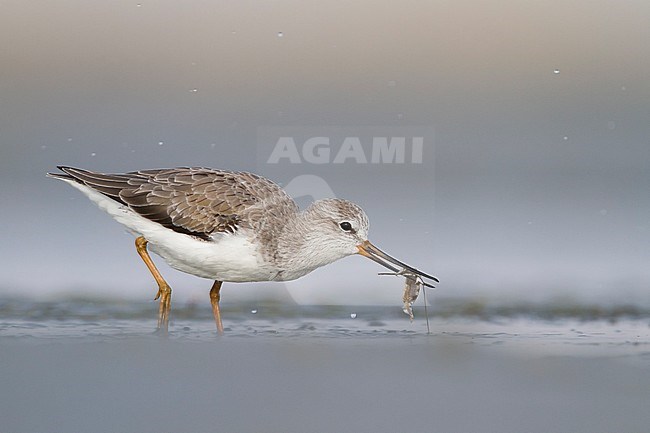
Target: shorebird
227,226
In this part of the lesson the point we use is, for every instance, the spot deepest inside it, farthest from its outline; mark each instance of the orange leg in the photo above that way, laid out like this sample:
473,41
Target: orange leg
214,300
164,291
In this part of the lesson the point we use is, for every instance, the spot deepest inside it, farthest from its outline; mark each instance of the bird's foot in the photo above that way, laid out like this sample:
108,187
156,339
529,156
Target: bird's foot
165,296
163,290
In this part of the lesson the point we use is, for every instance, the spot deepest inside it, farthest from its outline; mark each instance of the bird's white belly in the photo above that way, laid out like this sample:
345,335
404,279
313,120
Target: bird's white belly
231,257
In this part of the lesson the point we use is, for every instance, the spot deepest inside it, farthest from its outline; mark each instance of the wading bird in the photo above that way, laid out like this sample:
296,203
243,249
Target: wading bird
227,226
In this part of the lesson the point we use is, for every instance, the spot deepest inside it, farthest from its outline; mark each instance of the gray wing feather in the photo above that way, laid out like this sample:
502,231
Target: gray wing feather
194,201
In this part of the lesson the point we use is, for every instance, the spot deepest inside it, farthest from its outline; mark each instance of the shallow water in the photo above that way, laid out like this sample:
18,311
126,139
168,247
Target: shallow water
82,365
546,327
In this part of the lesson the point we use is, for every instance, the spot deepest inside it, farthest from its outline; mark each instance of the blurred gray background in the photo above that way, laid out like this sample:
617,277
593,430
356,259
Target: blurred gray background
533,187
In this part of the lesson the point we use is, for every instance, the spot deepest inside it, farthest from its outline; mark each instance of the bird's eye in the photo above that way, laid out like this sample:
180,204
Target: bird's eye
346,226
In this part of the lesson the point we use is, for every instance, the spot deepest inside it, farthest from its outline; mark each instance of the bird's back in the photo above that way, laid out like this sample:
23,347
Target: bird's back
196,201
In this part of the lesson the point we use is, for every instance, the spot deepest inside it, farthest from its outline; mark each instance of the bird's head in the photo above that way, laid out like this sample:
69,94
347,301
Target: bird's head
341,229
338,225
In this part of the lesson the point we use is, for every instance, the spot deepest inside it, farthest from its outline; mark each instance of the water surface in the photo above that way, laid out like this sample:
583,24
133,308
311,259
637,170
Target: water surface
80,365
